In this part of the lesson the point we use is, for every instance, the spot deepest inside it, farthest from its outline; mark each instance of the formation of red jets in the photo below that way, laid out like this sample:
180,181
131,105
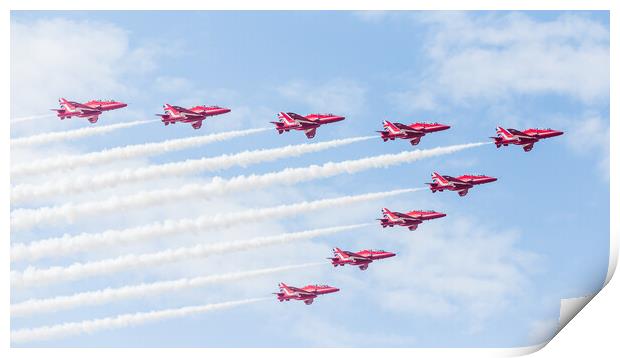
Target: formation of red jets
288,121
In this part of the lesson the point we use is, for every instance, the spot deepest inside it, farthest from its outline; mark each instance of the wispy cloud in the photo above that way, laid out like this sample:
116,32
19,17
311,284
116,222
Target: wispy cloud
492,56
340,96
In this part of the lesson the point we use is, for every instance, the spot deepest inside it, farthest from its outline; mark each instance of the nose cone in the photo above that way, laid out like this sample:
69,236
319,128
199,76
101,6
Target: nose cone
330,289
226,110
389,254
556,133
440,215
489,179
443,127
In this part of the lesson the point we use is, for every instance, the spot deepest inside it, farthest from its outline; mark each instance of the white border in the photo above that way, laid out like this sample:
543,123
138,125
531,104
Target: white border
593,329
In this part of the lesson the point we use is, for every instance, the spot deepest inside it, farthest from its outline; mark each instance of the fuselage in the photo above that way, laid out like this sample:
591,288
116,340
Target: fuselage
194,115
307,293
460,184
411,220
90,110
413,131
526,138
361,258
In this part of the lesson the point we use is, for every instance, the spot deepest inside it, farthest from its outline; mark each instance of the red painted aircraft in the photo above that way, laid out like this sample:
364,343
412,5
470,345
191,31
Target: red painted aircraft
306,293
527,138
411,220
361,258
414,132
90,110
308,124
194,115
460,184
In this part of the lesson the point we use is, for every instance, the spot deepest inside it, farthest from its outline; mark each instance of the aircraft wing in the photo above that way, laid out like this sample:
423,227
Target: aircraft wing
302,293
357,257
401,215
412,221
89,111
406,129
457,182
522,136
300,119
187,113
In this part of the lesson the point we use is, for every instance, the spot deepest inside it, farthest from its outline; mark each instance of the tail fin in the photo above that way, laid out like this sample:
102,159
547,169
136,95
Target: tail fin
387,214
65,104
286,118
339,253
504,133
390,127
284,288
437,178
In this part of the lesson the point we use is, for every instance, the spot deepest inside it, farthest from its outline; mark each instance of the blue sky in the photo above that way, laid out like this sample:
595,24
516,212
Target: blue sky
490,274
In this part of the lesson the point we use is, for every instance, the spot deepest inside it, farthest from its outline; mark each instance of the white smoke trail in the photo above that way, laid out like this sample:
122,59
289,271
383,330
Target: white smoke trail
35,276
120,321
25,218
72,185
51,137
143,290
130,151
30,118
65,245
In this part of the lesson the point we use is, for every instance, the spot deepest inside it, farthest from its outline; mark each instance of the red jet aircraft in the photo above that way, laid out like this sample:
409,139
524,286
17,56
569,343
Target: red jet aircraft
90,110
306,293
411,220
413,132
361,258
308,124
194,115
527,138
460,184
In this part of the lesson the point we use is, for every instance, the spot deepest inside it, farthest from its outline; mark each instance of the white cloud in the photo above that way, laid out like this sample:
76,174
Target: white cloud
589,135
464,269
493,56
172,84
330,333
339,96
73,59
